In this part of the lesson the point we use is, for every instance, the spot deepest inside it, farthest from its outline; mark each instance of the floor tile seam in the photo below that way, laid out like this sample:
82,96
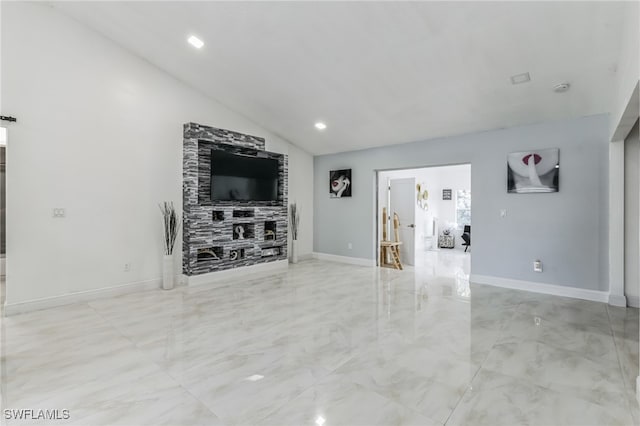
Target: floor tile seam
580,327
134,347
559,322
189,392
577,353
582,311
618,356
390,400
526,380
622,372
468,388
427,378
620,379
115,327
150,360
144,355
616,333
501,333
546,388
295,396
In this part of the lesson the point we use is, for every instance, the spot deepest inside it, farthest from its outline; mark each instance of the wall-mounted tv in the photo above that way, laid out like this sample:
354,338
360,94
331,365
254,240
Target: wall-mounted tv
237,177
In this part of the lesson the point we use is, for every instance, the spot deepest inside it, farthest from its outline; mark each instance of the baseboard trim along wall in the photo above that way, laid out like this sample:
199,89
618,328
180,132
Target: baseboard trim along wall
617,300
344,259
306,256
633,301
216,277
534,287
80,297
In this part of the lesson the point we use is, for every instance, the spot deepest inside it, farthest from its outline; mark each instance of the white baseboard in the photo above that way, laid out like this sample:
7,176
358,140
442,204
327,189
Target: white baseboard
306,256
344,259
216,277
534,287
633,301
80,296
617,300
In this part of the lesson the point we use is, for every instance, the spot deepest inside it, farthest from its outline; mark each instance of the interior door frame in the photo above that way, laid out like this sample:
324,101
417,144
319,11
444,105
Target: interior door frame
376,199
3,256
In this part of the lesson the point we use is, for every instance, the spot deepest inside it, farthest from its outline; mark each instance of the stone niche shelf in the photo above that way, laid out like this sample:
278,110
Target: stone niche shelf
270,230
210,254
208,226
243,231
243,213
237,254
267,252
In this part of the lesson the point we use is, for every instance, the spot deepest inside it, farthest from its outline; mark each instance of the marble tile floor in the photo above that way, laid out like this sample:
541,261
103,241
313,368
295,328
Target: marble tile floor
327,344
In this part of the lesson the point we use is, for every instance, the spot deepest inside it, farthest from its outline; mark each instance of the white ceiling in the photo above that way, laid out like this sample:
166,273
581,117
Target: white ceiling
377,73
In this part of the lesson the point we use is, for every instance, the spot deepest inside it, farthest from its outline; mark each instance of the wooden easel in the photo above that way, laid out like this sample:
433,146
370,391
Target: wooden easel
390,248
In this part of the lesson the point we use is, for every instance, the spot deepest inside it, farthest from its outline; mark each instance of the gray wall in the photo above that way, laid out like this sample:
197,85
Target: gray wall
567,230
631,213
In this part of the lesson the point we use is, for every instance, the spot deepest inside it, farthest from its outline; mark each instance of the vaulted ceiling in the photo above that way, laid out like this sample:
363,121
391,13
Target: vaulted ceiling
377,73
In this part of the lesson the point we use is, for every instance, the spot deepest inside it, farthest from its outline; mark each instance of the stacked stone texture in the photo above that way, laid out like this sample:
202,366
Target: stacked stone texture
202,228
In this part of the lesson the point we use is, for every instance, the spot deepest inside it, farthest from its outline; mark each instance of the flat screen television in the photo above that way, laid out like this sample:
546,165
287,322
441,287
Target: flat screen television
241,177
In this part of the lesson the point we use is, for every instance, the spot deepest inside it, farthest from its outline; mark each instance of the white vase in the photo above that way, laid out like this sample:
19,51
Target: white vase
294,251
168,276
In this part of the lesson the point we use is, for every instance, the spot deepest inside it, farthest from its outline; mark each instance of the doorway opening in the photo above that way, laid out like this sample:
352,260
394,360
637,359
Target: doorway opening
432,206
3,244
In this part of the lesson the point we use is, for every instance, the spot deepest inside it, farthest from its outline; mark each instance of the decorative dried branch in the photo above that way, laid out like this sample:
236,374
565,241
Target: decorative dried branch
171,224
294,220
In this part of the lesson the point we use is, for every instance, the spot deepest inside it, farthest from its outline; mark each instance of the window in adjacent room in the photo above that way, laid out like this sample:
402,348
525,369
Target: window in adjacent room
463,207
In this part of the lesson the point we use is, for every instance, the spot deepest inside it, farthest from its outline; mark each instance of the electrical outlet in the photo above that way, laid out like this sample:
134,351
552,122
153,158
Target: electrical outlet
537,266
59,212
350,246
503,213
127,267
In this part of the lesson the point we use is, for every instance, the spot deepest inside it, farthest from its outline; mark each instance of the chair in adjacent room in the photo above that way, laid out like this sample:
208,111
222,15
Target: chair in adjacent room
466,236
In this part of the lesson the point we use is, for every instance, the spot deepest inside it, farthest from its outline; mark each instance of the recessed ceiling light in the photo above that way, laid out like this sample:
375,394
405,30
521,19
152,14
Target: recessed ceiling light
320,420
520,78
195,42
320,125
255,377
562,87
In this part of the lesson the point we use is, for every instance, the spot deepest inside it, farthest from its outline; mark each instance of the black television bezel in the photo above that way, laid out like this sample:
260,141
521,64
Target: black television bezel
278,158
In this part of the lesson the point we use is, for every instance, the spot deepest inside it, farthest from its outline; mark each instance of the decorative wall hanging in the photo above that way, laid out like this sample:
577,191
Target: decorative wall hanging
533,171
340,183
446,194
421,196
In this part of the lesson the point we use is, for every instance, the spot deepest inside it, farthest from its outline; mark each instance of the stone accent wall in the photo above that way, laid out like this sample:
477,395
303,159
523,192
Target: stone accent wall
208,226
